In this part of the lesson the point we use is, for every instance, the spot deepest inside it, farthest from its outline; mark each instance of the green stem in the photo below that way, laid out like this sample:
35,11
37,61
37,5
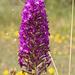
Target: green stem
36,73
36,70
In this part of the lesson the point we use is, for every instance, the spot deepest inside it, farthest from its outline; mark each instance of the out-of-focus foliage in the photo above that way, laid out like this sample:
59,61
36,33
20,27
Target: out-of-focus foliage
54,7
59,7
61,3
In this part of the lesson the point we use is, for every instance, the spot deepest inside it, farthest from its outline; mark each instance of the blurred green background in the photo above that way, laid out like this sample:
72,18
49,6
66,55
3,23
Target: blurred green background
59,17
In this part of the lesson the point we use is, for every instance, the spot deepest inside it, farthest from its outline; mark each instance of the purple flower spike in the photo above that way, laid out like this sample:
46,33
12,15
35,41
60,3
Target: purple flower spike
34,41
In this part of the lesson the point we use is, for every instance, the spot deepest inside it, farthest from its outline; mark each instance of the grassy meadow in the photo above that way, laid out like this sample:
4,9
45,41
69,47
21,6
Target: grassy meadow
59,17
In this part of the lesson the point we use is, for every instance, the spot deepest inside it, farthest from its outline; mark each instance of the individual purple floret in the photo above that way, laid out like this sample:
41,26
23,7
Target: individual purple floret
34,41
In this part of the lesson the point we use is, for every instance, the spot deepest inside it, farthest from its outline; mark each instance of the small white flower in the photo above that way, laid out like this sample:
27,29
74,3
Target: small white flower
15,39
12,9
7,34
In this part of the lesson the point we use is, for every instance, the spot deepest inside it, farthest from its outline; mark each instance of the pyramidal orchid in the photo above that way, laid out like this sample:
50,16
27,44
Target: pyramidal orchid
34,41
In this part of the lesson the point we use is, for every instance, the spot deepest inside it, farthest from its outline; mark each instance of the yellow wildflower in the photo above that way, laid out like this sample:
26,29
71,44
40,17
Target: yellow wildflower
6,37
51,36
12,29
67,36
51,70
66,52
55,40
6,72
17,49
20,73
63,37
55,49
57,36
59,41
2,33
16,33
73,38
59,53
